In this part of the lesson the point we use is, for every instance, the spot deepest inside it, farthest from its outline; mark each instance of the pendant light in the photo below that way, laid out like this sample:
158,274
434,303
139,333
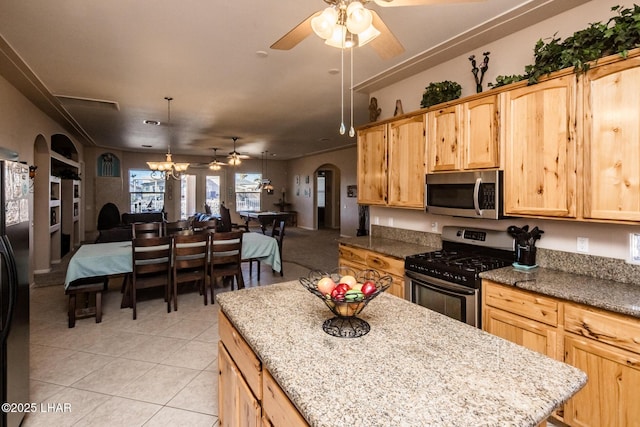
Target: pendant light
168,169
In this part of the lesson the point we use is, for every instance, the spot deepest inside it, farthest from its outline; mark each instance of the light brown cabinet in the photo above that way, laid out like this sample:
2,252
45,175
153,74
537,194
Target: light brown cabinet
611,187
391,163
604,345
247,394
362,259
540,149
464,136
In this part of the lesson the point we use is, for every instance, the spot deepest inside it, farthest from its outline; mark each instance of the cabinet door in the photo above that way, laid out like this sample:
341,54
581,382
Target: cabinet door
236,404
520,330
480,133
443,145
540,150
372,165
610,397
279,411
406,159
612,141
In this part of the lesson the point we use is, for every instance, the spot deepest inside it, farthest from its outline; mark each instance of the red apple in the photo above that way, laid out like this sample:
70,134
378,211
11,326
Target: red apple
368,288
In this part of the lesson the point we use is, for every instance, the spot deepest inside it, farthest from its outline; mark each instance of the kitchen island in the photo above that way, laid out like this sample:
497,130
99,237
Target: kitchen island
414,368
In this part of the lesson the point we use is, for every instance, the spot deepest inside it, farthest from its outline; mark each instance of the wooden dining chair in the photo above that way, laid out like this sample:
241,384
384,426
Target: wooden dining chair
226,224
277,232
147,229
151,262
190,263
208,226
226,258
177,227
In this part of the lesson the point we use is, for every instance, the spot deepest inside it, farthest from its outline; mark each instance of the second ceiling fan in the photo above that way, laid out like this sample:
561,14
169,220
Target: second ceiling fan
348,23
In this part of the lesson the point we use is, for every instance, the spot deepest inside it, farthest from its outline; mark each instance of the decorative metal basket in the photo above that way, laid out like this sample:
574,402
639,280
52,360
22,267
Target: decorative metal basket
346,324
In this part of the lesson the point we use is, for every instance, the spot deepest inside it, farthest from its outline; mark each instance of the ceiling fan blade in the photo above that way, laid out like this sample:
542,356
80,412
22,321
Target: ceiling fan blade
296,35
394,3
386,44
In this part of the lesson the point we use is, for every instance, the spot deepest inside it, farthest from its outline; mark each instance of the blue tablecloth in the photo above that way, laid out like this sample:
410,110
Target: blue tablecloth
106,259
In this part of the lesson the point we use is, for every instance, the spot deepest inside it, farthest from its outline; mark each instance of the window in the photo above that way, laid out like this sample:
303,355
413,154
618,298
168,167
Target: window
147,194
187,196
212,196
248,191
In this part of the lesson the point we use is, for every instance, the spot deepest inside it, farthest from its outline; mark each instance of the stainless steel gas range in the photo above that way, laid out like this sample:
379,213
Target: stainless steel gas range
447,281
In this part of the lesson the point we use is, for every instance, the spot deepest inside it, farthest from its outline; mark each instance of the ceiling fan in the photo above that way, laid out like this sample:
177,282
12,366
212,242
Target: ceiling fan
348,23
234,157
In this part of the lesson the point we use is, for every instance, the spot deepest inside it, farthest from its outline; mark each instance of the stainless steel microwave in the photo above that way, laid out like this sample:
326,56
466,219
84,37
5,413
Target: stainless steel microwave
469,194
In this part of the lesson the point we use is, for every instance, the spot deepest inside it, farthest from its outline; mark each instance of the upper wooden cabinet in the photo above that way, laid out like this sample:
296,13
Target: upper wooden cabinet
372,165
540,149
464,136
391,163
612,141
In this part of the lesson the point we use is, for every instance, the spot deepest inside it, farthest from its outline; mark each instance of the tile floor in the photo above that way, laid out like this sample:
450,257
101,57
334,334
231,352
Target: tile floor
158,370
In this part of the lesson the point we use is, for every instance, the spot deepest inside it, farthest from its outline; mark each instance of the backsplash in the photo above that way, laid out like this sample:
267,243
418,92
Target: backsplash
588,265
409,236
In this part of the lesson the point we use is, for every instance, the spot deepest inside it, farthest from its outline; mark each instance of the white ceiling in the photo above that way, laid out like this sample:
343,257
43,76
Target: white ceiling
204,55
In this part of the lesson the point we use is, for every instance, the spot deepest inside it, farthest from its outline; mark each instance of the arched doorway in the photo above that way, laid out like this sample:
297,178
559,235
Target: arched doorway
327,196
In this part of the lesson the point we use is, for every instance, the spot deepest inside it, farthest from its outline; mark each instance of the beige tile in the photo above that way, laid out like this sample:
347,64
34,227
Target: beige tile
39,391
41,354
158,385
114,376
118,343
70,369
155,350
173,417
120,412
200,395
81,403
153,325
186,329
209,335
194,355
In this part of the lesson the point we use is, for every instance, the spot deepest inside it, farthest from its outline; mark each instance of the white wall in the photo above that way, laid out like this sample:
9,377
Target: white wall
508,56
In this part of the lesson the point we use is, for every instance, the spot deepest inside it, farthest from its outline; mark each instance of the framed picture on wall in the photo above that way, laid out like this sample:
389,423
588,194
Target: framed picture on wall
306,179
297,179
352,191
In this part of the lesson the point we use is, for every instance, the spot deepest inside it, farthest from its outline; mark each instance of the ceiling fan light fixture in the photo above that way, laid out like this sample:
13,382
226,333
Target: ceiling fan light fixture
323,24
341,38
367,35
215,166
358,17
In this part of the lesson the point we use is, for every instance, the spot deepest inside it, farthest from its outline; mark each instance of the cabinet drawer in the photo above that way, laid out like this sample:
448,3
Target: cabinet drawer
611,328
277,407
385,264
352,254
246,360
522,303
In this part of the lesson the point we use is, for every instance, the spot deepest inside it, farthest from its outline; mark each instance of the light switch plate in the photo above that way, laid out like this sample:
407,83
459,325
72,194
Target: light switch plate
634,248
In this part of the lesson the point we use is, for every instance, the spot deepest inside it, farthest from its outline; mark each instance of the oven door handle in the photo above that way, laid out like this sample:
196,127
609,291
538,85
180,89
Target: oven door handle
439,285
476,196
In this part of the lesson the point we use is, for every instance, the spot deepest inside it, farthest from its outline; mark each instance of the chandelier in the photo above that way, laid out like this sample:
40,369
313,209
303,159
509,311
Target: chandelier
168,169
345,24
265,183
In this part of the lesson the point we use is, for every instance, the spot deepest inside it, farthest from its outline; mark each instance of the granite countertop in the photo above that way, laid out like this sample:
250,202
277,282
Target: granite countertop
414,368
609,295
390,247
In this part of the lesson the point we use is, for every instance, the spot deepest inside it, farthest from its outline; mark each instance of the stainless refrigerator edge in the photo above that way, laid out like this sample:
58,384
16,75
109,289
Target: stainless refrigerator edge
14,288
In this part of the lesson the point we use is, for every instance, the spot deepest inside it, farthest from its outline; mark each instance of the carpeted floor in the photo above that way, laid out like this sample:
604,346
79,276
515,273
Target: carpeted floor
309,249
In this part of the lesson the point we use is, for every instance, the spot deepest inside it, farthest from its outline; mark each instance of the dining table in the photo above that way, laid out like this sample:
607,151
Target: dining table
115,258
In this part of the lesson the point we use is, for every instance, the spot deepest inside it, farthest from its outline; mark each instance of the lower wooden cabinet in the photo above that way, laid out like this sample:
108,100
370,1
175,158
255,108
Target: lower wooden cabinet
248,395
361,259
610,397
605,345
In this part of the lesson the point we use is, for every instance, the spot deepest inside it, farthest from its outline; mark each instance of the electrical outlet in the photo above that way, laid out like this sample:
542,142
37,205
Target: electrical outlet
434,226
634,248
376,220
583,244
391,222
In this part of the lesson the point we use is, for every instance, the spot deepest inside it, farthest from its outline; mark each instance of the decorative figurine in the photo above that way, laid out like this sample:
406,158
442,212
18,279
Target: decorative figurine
483,68
374,111
399,109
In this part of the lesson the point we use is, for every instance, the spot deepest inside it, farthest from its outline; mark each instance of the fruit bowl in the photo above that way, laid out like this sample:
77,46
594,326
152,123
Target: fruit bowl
350,292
